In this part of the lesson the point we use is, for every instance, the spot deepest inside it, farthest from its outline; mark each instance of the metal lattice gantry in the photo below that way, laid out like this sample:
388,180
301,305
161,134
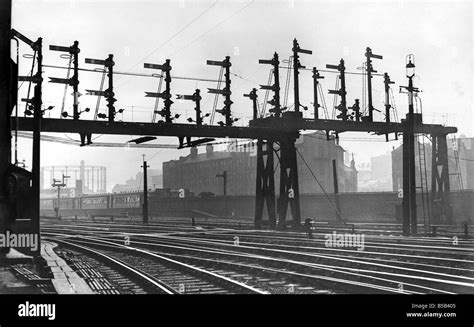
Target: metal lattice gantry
276,133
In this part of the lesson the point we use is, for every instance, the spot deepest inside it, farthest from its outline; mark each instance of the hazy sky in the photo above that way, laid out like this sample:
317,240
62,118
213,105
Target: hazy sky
439,34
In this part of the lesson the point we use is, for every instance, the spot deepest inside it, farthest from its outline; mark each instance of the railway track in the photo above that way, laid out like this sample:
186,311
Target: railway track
384,266
269,279
440,247
380,229
159,274
135,278
419,280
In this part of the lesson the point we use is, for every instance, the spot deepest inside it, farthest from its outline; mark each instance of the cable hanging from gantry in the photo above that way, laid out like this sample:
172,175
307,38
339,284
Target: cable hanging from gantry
226,92
334,102
27,99
275,87
330,71
109,94
65,87
288,81
267,93
71,53
319,183
157,100
364,88
316,77
99,70
101,88
166,95
394,106
323,99
216,97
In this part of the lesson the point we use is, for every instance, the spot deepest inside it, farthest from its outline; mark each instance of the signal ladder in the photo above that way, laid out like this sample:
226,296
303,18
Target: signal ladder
424,184
458,165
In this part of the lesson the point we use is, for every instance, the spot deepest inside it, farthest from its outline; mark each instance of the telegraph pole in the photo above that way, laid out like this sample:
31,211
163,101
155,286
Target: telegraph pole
59,184
145,191
224,181
336,191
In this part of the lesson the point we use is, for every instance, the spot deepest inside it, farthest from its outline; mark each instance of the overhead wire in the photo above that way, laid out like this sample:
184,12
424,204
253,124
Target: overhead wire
99,70
332,71
267,92
216,97
177,33
334,103
320,185
29,84
245,79
393,104
364,91
212,28
99,97
66,86
157,101
323,100
287,82
171,38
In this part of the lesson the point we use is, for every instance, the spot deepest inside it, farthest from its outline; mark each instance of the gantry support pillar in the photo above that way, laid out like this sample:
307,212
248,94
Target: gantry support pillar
440,188
289,187
409,221
265,187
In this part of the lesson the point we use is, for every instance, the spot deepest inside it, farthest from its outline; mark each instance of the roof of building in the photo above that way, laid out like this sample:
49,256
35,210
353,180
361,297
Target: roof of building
219,155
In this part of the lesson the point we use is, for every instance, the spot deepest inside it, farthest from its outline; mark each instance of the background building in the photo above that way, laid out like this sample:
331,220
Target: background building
380,177
461,165
155,180
198,171
364,182
466,162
